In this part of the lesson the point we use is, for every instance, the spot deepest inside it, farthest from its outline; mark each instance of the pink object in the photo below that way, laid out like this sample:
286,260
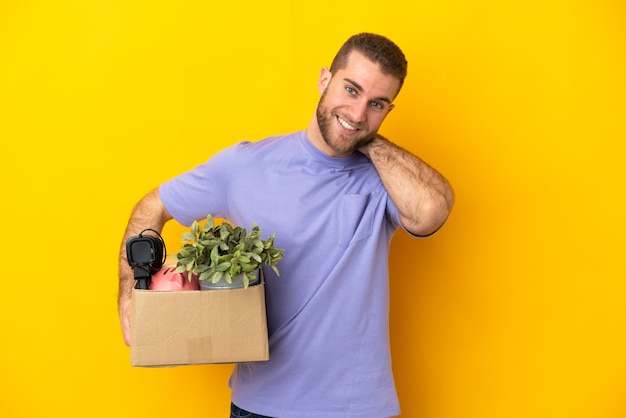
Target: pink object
168,279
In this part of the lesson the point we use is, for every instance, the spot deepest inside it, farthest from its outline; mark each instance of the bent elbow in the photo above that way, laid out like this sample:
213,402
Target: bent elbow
430,216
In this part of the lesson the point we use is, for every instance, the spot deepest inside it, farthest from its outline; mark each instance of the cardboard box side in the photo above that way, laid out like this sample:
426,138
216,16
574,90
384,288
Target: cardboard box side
198,327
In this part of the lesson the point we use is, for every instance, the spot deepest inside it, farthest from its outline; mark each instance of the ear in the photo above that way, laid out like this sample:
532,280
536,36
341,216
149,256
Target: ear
322,83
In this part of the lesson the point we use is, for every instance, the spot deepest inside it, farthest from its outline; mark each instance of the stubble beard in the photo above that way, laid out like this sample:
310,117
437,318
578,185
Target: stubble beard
341,144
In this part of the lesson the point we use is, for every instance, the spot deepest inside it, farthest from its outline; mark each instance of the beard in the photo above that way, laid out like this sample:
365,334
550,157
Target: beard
340,143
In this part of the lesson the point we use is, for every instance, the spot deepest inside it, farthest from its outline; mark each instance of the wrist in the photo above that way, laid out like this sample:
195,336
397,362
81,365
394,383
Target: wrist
376,147
369,146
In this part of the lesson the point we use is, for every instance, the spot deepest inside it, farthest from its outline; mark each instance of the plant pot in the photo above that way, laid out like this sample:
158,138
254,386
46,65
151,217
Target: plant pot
237,282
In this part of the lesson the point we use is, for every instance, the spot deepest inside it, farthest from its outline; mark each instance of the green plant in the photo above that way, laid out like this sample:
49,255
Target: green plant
216,252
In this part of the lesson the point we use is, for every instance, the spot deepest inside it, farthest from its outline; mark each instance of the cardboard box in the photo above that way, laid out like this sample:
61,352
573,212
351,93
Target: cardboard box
171,328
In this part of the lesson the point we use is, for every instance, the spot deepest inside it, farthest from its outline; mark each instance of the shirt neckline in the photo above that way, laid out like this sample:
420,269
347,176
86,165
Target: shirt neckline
339,162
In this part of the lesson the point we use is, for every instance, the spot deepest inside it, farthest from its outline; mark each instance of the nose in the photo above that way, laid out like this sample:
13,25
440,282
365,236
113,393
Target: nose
358,111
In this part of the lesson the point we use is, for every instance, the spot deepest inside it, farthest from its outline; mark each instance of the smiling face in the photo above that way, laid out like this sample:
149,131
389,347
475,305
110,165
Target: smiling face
355,101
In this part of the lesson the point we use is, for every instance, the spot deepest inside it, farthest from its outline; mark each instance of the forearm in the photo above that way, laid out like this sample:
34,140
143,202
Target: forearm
423,196
149,213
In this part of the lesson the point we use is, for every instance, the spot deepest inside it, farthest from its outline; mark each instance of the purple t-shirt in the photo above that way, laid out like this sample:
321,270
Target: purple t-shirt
328,311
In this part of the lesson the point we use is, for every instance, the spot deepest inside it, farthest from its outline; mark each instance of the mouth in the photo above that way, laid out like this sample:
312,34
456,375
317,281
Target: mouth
347,126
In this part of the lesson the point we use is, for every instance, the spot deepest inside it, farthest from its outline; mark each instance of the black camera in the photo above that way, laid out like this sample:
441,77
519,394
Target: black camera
145,254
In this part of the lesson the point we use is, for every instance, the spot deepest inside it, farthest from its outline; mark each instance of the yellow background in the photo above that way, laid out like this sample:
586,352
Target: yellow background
514,309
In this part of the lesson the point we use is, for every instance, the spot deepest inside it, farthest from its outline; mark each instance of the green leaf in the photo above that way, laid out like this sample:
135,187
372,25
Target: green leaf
183,252
222,267
250,267
234,269
202,268
225,258
250,276
217,276
188,236
215,254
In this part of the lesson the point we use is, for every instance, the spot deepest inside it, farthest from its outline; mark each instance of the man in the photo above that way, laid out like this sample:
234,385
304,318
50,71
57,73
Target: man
334,194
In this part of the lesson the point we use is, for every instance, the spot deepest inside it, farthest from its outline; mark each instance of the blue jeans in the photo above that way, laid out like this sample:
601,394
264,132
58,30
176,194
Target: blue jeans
236,412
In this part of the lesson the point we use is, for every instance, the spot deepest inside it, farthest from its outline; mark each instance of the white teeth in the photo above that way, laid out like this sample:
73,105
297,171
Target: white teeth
346,124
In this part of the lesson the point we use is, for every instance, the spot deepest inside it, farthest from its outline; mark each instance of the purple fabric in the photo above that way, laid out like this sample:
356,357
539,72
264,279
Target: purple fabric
328,312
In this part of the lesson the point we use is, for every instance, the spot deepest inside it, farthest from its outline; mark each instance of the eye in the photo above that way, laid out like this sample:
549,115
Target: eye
376,105
350,90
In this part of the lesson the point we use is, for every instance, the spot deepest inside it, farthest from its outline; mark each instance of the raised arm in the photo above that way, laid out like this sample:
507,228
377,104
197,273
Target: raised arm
423,196
148,213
